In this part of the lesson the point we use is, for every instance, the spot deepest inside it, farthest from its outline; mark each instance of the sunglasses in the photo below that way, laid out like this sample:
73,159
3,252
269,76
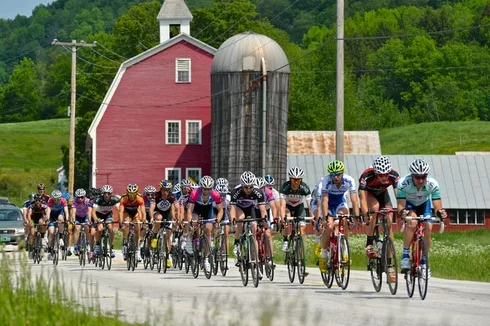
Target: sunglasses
296,179
82,197
336,174
420,177
247,187
383,175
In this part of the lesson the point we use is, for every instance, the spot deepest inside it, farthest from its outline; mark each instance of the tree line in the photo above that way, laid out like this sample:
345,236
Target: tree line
405,61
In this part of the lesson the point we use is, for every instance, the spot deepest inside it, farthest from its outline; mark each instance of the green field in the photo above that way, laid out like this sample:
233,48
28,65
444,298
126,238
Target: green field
31,153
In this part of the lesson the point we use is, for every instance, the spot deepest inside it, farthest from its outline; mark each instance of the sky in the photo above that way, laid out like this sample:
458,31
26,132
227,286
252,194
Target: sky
12,8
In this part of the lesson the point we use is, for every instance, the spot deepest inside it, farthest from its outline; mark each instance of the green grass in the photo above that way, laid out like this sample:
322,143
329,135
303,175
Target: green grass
31,153
436,138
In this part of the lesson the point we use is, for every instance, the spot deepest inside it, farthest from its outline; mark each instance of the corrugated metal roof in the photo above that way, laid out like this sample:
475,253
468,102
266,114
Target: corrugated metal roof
323,142
230,55
174,9
464,179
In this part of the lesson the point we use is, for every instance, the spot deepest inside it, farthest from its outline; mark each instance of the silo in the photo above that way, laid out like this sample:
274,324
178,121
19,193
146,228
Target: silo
240,111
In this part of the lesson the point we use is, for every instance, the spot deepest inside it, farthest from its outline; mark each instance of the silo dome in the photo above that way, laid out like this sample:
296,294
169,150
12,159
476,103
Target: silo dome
231,55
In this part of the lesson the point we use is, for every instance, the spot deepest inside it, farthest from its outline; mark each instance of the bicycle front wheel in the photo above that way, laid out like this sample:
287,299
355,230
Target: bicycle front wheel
56,249
411,274
423,271
290,261
269,259
300,258
243,260
254,262
82,247
207,254
342,271
391,279
223,260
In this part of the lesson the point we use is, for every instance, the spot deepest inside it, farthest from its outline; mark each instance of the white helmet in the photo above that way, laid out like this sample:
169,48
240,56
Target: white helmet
247,178
56,194
176,188
206,182
80,193
382,165
419,167
296,172
106,189
149,189
260,182
222,189
222,181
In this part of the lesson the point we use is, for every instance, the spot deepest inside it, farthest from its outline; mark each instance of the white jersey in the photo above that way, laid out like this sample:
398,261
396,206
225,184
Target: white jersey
336,195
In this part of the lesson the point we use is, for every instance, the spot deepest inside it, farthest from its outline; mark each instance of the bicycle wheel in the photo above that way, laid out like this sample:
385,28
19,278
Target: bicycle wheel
217,253
389,248
161,263
328,276
146,251
290,261
223,263
207,253
423,271
56,249
196,262
411,274
180,253
82,243
64,249
187,262
38,248
243,260
342,272
269,259
254,262
375,266
300,259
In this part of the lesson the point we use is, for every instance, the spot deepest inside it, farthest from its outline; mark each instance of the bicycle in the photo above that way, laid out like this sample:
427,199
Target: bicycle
82,245
177,247
201,250
266,259
418,251
220,249
162,248
385,255
55,249
131,247
104,256
247,252
38,245
339,262
295,255
64,236
148,252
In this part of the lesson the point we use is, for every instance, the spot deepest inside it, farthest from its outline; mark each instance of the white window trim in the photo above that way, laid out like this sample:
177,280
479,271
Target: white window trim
173,169
187,131
166,131
177,71
187,173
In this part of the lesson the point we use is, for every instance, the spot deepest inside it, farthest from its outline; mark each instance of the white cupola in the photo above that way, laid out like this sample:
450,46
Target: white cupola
174,13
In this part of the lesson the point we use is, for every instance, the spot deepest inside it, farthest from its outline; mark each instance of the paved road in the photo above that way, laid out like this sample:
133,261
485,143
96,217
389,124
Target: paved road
179,297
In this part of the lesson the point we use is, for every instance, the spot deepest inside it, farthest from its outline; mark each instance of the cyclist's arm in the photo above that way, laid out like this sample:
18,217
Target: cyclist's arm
273,206
364,204
190,208
232,213
325,204
94,213
355,204
219,216
89,214
437,204
152,209
73,214
121,213
47,211
142,210
29,215
283,207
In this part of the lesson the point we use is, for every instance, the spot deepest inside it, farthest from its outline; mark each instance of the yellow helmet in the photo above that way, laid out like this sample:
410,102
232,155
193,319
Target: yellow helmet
335,167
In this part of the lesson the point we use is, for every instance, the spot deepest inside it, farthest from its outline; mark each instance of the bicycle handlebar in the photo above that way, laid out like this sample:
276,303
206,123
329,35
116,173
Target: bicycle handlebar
250,220
306,218
425,219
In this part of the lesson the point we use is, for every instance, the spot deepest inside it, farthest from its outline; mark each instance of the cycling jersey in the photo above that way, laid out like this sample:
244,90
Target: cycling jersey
57,208
184,200
204,208
369,181
226,205
103,208
407,190
241,199
337,195
131,206
37,212
81,207
164,205
295,197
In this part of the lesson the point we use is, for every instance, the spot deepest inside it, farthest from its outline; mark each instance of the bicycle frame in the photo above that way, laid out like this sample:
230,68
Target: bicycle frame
296,249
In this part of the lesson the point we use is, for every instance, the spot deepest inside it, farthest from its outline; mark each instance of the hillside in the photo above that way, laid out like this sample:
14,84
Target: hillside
31,153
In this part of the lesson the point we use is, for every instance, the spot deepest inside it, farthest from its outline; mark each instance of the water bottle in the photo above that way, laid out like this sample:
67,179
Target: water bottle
380,249
188,247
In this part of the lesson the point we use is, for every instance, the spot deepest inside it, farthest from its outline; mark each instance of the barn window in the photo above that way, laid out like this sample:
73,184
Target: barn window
193,174
466,216
183,71
172,175
193,134
173,132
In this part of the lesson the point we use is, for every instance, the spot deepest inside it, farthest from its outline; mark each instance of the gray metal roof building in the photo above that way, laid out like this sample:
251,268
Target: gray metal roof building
464,180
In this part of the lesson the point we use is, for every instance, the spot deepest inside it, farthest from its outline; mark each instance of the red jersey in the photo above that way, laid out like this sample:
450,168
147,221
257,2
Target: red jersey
369,182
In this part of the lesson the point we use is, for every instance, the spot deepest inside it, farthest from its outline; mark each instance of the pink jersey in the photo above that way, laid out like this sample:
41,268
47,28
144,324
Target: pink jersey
196,197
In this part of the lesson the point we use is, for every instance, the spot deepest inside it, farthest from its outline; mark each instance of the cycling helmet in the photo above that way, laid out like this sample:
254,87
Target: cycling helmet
132,188
419,167
95,191
296,172
222,189
382,165
149,189
269,180
176,188
165,184
247,179
38,197
31,196
260,182
56,194
206,182
185,183
335,167
80,193
222,181
106,189
41,186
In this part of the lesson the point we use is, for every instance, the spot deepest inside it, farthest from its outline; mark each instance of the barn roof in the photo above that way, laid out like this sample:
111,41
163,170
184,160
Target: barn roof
174,9
464,179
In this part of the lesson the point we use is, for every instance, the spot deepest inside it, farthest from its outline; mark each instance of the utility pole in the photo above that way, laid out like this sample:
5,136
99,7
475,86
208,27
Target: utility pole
339,132
74,45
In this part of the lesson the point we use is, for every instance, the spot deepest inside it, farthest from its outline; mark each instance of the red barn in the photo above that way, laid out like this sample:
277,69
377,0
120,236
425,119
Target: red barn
155,120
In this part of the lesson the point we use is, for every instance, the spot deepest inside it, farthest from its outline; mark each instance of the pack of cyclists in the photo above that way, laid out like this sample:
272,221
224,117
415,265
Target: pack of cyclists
214,202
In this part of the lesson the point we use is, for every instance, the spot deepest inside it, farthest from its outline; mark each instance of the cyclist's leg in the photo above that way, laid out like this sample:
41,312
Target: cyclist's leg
408,236
76,234
286,230
240,215
373,205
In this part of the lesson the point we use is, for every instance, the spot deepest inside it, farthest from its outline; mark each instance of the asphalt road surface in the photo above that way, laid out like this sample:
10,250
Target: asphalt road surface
176,297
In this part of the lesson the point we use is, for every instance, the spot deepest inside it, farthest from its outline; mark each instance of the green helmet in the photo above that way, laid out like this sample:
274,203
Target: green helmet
335,167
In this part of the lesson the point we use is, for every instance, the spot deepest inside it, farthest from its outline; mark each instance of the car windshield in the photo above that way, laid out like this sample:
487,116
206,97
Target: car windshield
10,214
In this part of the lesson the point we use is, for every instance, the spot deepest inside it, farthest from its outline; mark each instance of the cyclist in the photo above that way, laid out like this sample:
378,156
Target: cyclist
185,191
176,191
38,213
222,181
148,197
41,190
200,204
131,209
373,195
25,208
58,210
163,208
333,189
316,211
415,192
270,205
222,189
81,212
103,210
243,200
293,195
